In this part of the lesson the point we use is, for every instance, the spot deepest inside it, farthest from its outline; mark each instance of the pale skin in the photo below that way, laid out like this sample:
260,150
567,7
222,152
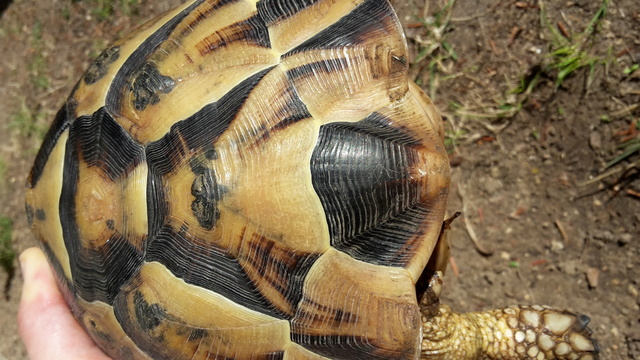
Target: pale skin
46,325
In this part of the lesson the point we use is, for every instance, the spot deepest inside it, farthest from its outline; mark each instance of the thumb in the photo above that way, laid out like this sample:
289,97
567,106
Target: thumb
46,325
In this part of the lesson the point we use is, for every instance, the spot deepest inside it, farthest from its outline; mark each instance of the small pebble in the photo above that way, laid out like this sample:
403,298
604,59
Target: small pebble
615,332
592,277
595,140
625,239
557,246
569,267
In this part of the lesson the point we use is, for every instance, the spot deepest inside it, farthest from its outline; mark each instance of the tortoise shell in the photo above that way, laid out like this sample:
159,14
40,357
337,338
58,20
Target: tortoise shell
246,180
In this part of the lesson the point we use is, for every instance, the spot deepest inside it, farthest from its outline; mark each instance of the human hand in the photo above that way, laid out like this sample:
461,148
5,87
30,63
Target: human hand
45,323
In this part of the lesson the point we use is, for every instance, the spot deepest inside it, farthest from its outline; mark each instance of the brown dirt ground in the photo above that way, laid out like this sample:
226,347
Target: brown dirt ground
520,180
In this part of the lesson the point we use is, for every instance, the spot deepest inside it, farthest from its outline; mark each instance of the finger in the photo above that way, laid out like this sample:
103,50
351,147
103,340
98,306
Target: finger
46,325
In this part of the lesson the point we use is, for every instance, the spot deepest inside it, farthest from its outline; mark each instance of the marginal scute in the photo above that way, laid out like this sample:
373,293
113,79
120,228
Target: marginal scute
100,322
45,196
52,140
92,96
169,328
334,318
100,66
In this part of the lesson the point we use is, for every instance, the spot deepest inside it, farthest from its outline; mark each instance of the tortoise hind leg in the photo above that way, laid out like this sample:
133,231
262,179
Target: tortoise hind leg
518,332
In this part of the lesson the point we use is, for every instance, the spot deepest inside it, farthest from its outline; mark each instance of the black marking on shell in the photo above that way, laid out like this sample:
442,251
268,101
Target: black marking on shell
110,224
97,272
138,59
199,131
67,288
315,69
292,110
273,11
147,84
104,143
61,122
388,129
340,347
361,174
148,316
283,269
251,31
41,215
276,355
210,153
144,322
99,68
199,15
289,110
100,337
157,207
30,214
367,20
197,334
207,193
206,265
121,352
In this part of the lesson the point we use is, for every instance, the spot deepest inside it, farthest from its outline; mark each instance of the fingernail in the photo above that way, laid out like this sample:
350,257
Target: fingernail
24,264
29,268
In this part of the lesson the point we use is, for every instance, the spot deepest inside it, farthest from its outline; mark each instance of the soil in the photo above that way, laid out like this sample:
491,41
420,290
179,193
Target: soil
551,226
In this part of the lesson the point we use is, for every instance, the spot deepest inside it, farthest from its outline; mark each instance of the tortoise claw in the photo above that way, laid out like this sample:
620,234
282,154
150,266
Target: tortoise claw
580,325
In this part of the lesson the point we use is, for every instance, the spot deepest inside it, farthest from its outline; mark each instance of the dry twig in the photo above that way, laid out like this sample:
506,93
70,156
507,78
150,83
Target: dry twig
472,233
563,233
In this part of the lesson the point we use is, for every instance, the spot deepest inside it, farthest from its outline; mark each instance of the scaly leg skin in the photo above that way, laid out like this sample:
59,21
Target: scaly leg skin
519,332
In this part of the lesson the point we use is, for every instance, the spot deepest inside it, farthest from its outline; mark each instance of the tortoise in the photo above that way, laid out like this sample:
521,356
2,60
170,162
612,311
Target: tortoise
261,180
